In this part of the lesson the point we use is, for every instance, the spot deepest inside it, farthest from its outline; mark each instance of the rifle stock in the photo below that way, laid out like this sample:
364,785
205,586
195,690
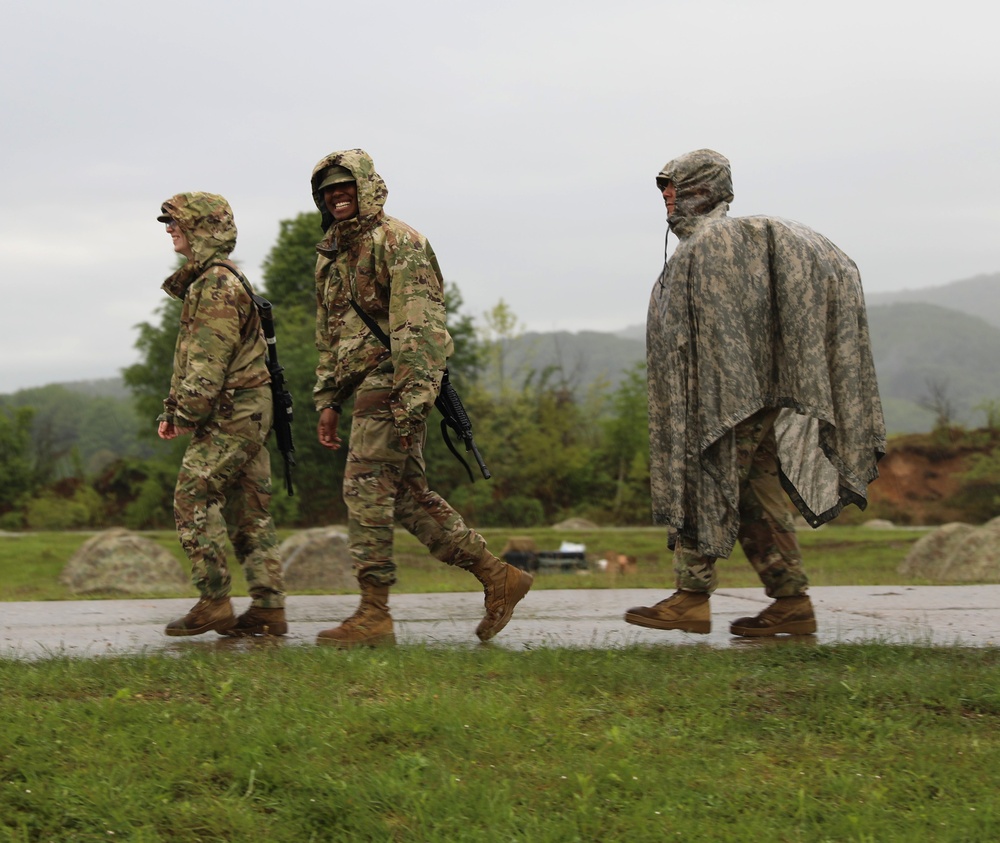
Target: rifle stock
454,416
281,397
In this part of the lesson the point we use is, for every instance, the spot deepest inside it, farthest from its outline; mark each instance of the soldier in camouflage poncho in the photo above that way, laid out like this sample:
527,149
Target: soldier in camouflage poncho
220,393
392,274
761,382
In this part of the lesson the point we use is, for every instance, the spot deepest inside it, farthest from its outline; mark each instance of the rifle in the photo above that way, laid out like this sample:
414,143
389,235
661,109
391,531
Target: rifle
453,414
282,398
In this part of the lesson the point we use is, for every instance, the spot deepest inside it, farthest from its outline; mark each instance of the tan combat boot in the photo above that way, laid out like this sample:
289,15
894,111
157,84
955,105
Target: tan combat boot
789,615
369,626
205,615
259,621
685,610
504,587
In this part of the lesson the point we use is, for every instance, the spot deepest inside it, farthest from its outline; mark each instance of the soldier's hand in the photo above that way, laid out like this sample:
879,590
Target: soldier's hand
168,430
326,430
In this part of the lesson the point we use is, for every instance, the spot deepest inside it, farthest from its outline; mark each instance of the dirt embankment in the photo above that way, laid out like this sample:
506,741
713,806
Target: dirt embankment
921,479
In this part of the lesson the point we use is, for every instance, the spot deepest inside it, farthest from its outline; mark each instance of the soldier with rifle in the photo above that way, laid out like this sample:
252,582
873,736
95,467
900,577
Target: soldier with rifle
382,339
221,394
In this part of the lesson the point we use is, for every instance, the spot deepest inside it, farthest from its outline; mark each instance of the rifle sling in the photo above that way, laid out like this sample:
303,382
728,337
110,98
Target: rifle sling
381,336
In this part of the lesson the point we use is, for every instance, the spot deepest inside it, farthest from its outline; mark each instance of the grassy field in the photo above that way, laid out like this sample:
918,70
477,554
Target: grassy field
790,744
30,563
794,743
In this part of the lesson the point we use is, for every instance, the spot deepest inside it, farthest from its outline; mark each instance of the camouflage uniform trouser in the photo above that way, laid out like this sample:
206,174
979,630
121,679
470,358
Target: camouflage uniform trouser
767,530
384,484
228,475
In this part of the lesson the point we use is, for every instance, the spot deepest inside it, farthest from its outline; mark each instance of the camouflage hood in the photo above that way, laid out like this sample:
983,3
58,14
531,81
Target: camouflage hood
704,184
372,194
207,221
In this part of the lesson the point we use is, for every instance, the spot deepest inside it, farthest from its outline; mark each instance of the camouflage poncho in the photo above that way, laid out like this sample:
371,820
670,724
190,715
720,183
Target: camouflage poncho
752,313
392,273
220,344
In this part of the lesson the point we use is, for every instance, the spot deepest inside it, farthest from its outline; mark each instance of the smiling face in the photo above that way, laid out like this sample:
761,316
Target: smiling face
181,245
341,200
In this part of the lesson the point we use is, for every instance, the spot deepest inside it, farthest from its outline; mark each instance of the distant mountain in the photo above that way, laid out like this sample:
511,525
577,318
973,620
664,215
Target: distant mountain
978,296
923,353
102,387
938,343
572,360
633,332
922,350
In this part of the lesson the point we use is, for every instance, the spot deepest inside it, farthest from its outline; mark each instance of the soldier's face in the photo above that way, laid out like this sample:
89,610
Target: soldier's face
179,238
670,197
341,200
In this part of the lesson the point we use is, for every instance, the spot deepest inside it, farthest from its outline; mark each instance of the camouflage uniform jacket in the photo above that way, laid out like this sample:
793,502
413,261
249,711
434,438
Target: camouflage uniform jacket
752,313
220,350
391,271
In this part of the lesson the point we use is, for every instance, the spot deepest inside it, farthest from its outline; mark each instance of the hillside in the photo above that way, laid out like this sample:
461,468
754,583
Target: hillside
921,348
921,351
574,360
978,296
923,480
938,343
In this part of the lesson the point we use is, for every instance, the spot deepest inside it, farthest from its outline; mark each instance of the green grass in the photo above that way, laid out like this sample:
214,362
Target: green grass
791,743
30,563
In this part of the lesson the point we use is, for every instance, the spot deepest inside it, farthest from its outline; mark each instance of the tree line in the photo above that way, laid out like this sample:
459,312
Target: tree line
555,449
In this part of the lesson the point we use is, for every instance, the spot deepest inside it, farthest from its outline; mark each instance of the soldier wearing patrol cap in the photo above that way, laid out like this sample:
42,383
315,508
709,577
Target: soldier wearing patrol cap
220,394
390,271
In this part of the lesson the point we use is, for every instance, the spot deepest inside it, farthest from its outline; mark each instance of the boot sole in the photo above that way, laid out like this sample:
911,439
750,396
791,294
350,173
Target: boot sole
201,630
699,627
486,634
376,641
268,629
793,628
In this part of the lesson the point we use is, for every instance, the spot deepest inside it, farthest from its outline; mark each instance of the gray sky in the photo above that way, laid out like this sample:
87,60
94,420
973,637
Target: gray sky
522,138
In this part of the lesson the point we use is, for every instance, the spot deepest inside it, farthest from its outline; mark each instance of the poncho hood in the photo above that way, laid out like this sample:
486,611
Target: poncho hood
372,194
703,180
207,221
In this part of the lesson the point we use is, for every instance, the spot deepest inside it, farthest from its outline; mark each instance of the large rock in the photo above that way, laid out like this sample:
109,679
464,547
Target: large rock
318,560
878,524
956,552
575,524
976,558
117,561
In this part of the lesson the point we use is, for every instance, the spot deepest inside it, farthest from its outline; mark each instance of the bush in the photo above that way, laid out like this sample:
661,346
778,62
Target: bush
49,511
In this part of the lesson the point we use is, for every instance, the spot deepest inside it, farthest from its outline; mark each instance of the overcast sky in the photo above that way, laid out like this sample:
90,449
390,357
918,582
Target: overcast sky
522,138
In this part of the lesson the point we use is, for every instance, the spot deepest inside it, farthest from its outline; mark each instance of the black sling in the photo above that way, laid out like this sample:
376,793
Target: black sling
448,403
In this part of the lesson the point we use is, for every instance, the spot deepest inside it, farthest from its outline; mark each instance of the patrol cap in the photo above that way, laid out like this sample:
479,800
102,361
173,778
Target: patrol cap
336,175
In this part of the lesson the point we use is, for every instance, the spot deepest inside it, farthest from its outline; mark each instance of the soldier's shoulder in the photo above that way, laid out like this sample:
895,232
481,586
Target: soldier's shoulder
403,233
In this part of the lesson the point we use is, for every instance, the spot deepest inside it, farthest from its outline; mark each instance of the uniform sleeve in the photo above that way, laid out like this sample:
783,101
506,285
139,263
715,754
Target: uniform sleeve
417,330
213,336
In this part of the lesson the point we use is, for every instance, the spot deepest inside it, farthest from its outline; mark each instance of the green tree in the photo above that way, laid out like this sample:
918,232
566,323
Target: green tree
501,329
290,285
149,379
289,268
465,364
15,460
625,450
